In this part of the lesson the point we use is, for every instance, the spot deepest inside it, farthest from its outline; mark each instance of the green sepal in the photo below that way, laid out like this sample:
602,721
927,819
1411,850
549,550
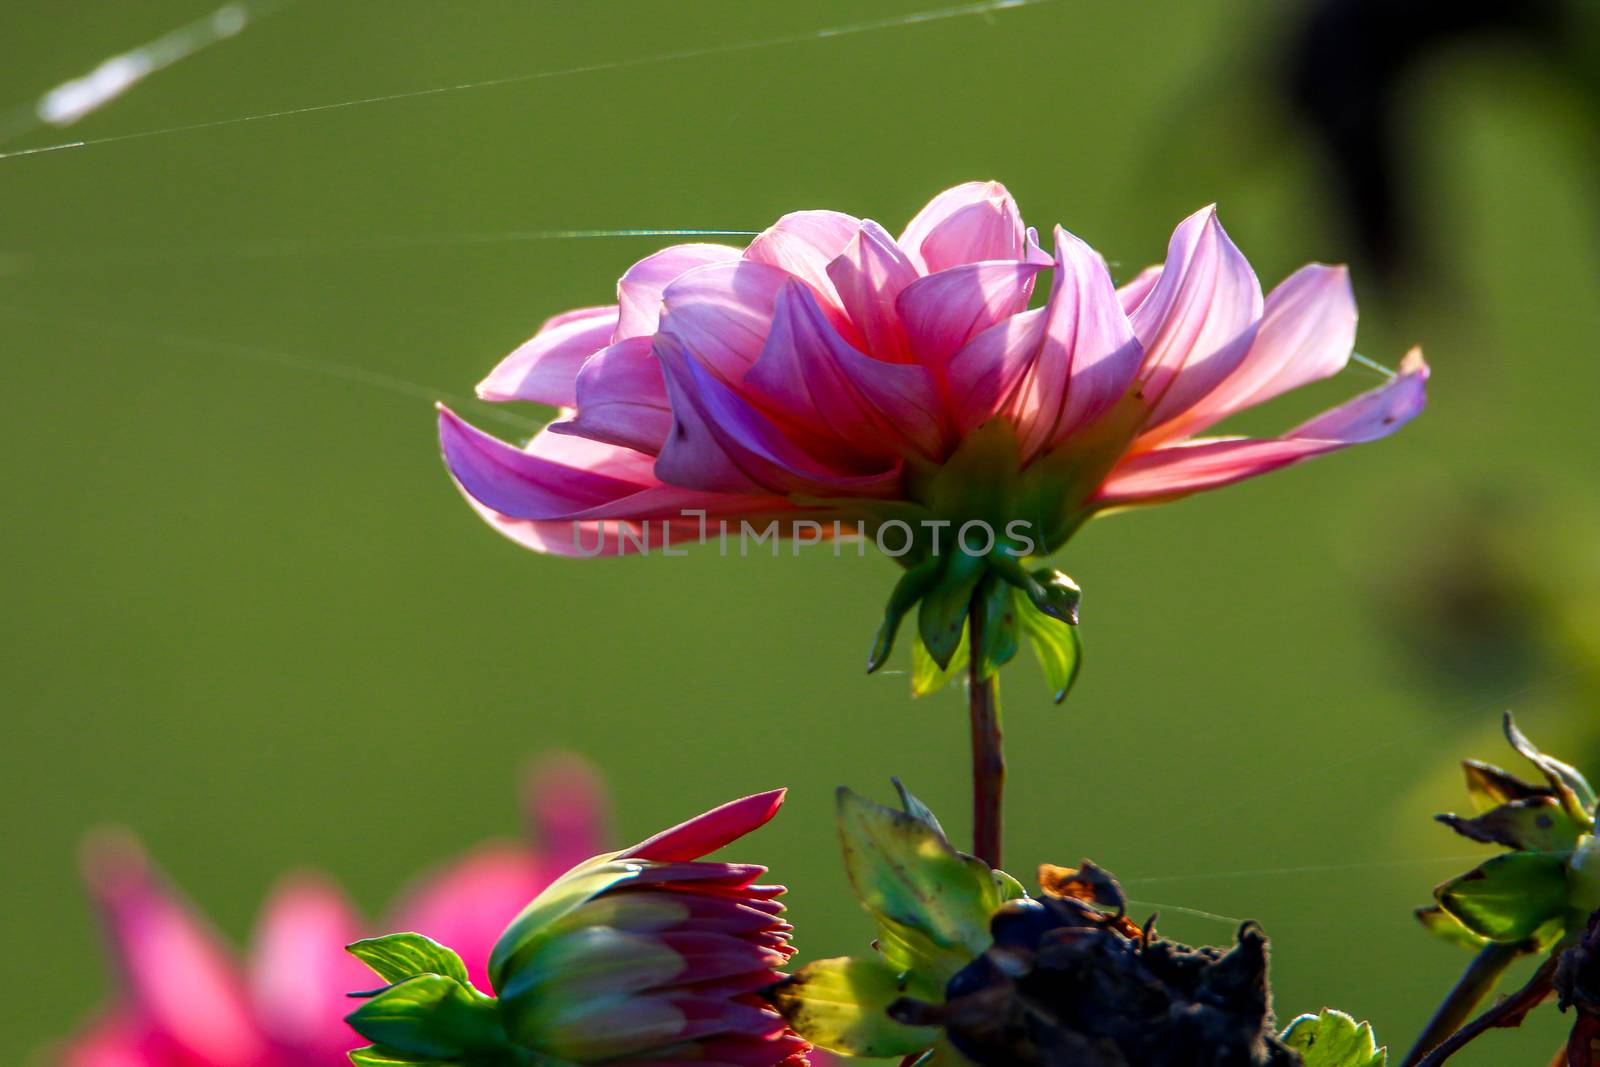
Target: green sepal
927,676
1571,788
1057,646
1059,597
932,903
911,587
378,1056
1532,824
1508,898
942,617
999,644
1447,927
842,1005
1049,590
396,957
1333,1039
540,920
432,1016
1488,786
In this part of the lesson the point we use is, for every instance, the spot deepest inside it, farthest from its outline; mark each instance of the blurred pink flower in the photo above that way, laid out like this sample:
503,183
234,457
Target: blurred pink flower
186,1000
831,368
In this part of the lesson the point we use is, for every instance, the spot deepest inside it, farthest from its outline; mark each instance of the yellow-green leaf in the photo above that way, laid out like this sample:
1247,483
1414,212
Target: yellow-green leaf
842,1005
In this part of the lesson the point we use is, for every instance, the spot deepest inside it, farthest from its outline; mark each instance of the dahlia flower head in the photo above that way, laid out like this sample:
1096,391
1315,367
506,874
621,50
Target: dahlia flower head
646,955
185,999
832,372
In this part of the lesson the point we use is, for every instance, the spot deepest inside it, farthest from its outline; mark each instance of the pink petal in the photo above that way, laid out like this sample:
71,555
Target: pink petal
468,904
869,275
708,832
1088,357
528,485
622,398
782,1050
119,1040
813,376
1134,292
299,971
721,443
709,957
639,289
543,368
984,375
568,810
803,243
722,313
1176,470
1199,319
178,973
1306,332
970,222
536,496
943,311
583,539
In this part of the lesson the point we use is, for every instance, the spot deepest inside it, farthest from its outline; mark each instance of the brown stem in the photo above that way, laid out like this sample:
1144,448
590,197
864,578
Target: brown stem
1475,984
1508,1013
988,757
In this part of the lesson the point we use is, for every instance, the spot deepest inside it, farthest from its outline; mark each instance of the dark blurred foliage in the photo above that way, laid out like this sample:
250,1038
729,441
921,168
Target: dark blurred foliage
1350,66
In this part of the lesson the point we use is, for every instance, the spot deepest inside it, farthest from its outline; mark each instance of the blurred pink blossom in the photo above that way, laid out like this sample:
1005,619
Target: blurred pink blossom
185,999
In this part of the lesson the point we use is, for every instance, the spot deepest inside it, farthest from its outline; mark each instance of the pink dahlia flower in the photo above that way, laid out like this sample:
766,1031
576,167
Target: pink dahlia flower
833,371
187,1001
647,955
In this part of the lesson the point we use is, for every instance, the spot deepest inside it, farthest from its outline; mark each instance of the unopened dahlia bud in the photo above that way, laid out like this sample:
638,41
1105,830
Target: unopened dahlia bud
647,954
1540,892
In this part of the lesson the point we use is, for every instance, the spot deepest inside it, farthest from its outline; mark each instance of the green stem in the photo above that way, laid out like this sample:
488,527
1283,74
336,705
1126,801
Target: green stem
1474,986
1509,1012
988,756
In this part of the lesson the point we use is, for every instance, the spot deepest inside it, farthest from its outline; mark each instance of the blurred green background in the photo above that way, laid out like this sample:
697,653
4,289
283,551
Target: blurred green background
249,617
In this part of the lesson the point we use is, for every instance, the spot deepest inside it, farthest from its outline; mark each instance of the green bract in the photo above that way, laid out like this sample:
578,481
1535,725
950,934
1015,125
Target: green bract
1333,1039
1541,892
950,582
932,905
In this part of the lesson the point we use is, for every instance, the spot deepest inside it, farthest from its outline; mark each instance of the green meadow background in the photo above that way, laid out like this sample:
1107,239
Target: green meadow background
247,615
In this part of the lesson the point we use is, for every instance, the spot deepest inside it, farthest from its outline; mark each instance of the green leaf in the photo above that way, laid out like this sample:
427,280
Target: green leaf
1334,1039
1057,645
397,957
927,676
431,1016
842,1005
942,618
933,904
999,644
916,808
907,591
1509,897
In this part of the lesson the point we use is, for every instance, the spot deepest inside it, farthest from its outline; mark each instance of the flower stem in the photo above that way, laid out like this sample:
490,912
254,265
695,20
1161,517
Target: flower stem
1475,984
988,757
1508,1013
